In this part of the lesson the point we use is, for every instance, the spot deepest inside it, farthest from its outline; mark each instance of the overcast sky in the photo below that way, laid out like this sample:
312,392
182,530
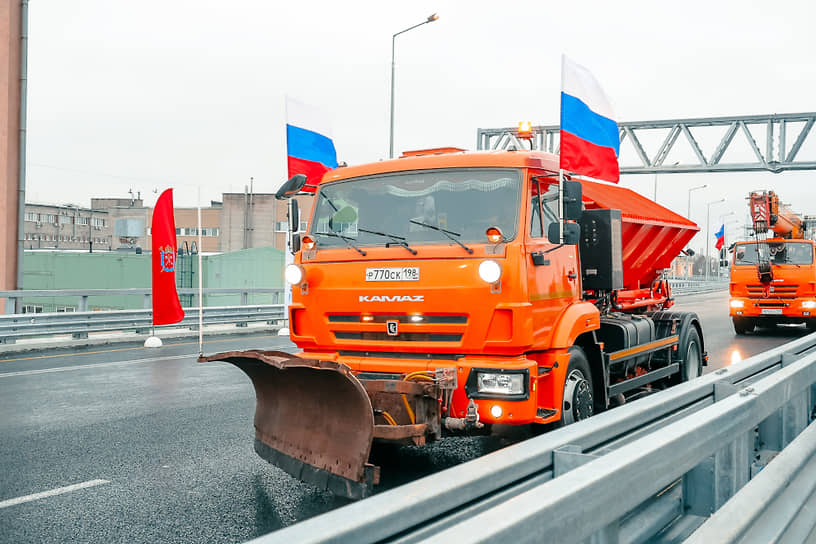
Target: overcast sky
149,94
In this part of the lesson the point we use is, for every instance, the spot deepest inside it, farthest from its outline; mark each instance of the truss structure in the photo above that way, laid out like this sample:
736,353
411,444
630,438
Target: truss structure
773,143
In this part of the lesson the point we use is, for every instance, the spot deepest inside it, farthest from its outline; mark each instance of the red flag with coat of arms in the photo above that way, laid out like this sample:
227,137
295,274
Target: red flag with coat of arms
166,305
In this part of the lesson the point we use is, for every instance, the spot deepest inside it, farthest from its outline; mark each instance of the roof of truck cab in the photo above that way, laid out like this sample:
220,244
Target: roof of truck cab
446,159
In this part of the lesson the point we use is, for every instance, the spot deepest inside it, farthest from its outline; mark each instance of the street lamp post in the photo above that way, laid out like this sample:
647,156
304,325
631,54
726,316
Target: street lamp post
430,19
707,241
655,180
688,213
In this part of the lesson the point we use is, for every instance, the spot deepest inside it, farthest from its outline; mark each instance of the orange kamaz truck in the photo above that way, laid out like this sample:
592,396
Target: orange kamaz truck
773,278
445,291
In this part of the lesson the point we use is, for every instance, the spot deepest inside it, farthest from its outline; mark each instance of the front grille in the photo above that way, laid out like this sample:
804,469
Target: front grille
787,291
411,328
400,355
401,337
402,318
772,304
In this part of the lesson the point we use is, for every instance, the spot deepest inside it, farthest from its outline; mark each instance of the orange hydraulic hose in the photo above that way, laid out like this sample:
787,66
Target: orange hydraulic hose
389,418
420,374
411,415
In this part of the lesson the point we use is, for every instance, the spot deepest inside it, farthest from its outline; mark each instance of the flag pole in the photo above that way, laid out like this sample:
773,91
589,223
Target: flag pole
200,284
561,205
560,160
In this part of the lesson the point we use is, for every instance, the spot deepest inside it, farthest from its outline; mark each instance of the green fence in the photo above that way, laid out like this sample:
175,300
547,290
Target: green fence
250,268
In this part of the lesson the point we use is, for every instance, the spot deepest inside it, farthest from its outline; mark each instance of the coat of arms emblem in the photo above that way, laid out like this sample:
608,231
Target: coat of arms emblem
167,258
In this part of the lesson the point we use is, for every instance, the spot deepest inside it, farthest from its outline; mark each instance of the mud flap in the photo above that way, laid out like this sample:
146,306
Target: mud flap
313,419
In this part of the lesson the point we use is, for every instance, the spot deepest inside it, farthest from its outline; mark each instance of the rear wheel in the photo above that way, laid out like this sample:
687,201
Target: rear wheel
578,400
692,351
742,325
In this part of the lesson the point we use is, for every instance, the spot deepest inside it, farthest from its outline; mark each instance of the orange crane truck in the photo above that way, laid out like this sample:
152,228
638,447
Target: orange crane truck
773,277
446,291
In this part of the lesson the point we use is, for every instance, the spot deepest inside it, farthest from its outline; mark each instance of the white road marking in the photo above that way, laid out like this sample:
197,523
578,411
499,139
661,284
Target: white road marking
97,365
52,492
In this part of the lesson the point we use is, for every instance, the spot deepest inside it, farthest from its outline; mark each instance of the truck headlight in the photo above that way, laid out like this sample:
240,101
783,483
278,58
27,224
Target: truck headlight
737,303
501,384
490,271
293,274
809,304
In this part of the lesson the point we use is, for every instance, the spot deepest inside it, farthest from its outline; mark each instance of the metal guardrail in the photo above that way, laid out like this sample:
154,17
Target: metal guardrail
776,506
657,466
79,324
687,286
14,326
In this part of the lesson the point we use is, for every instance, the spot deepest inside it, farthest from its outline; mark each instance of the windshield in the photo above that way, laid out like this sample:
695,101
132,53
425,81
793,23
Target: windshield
780,253
429,207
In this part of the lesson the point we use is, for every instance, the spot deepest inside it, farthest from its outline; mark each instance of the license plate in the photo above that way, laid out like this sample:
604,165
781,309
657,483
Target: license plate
771,311
408,273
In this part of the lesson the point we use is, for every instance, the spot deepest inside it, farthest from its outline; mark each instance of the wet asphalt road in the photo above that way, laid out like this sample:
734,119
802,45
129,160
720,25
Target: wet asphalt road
167,442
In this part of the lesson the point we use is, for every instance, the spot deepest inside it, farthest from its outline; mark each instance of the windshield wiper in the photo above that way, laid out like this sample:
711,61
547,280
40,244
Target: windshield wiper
346,239
329,201
397,240
449,233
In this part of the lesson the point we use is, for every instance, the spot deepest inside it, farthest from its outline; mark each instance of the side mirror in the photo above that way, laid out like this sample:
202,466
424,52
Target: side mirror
291,187
294,243
572,233
294,216
294,226
573,201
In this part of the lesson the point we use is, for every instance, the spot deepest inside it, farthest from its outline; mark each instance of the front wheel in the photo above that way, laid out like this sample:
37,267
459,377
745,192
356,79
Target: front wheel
742,325
578,400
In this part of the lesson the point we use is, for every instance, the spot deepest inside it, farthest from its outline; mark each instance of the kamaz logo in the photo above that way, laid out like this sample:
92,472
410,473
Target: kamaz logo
392,298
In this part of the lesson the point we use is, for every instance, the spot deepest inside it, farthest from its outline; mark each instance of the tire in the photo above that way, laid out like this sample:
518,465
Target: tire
742,325
578,399
692,351
811,325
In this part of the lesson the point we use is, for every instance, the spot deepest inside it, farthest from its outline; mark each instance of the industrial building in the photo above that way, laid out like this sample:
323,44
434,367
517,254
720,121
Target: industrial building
240,221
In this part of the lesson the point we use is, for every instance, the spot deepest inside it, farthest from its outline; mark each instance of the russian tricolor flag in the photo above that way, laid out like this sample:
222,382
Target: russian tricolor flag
309,146
590,141
720,236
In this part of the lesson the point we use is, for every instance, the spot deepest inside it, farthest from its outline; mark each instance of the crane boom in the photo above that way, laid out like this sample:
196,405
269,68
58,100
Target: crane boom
769,214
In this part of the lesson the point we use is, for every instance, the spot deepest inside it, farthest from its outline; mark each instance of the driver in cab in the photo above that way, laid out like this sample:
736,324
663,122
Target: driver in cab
426,213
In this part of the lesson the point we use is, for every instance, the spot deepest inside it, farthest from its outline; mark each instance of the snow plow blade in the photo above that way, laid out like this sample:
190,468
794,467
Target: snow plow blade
313,419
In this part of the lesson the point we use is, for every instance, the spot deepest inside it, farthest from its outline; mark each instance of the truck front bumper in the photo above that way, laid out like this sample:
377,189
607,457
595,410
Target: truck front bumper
798,309
537,401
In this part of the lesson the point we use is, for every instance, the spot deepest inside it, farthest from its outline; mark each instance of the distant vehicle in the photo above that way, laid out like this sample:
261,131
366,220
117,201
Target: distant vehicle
773,278
444,291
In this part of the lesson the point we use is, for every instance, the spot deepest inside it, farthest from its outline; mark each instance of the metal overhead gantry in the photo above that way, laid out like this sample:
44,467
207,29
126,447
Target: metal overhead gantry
784,135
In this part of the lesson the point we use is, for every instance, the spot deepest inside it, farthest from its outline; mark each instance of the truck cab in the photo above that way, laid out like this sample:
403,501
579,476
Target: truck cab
789,296
411,270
